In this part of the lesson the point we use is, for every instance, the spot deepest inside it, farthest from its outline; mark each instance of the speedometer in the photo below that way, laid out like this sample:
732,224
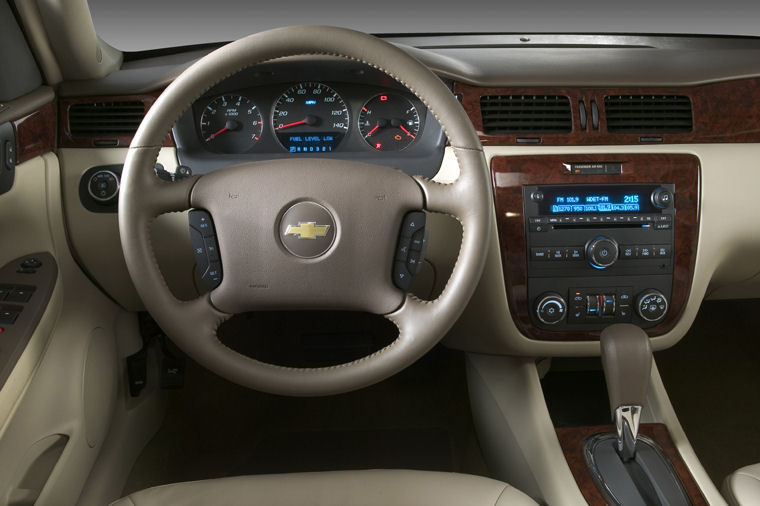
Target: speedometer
310,118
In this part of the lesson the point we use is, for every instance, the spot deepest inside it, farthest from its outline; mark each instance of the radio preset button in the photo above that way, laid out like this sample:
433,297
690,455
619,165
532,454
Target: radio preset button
645,252
574,253
662,251
557,254
628,252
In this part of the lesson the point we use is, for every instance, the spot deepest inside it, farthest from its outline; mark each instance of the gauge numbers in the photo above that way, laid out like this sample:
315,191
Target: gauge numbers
389,122
310,118
231,124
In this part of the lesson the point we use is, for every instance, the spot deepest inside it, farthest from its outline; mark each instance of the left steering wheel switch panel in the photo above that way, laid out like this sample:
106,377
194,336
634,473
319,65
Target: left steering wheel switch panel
206,248
410,250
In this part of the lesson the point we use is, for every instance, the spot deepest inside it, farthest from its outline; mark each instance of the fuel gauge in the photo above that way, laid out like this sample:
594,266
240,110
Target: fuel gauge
389,122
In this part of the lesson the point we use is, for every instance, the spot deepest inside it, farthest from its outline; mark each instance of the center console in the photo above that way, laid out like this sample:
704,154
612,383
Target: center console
591,240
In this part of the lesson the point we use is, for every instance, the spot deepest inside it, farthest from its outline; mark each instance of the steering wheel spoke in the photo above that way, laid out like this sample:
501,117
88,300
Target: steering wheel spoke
314,230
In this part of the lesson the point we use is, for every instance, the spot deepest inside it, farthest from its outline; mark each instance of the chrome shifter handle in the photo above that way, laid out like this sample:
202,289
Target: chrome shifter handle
627,363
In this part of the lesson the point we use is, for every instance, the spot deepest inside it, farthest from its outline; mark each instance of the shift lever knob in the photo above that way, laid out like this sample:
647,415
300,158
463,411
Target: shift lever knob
627,363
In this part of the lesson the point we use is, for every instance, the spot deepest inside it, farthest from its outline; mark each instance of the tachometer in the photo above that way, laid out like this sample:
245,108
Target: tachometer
310,118
389,122
231,124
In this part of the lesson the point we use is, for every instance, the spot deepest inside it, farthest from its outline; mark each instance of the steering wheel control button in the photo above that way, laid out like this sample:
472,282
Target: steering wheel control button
201,221
413,222
402,278
205,248
601,252
103,186
652,305
551,308
410,250
307,230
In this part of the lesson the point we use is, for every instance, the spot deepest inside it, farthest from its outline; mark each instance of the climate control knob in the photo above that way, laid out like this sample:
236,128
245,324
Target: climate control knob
551,308
651,305
601,252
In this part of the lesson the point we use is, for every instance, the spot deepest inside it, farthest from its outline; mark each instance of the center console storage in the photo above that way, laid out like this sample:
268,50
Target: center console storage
591,240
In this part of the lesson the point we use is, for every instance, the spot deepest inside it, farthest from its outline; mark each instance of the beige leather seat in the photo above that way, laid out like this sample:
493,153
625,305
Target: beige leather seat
742,488
339,488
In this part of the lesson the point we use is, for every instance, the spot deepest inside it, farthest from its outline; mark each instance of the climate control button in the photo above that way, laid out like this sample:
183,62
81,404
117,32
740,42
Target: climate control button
652,305
602,252
551,308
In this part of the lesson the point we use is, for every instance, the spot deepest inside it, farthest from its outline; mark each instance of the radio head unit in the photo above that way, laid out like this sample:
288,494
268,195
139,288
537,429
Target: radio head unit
599,254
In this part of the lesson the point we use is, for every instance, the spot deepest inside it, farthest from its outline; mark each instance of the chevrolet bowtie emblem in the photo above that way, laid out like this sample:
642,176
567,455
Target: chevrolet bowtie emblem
307,230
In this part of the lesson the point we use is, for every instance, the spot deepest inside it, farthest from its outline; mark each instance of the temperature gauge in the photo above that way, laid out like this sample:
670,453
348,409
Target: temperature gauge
389,122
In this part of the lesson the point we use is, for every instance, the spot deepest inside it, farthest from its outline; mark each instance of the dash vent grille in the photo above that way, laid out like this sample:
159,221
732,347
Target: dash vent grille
527,114
105,119
648,113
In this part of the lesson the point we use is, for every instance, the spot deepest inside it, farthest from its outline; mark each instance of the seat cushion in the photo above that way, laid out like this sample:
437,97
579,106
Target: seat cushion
349,488
742,488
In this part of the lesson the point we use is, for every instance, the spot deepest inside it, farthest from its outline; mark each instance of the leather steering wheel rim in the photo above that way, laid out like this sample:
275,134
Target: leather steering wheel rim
192,325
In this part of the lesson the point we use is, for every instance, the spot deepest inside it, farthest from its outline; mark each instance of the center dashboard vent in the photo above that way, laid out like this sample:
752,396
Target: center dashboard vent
528,114
648,113
105,119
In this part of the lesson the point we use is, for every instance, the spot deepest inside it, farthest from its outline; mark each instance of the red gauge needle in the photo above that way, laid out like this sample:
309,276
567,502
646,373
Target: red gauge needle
407,132
303,121
372,131
214,135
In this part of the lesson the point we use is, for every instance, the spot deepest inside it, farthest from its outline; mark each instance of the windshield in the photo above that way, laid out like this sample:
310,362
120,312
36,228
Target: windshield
137,25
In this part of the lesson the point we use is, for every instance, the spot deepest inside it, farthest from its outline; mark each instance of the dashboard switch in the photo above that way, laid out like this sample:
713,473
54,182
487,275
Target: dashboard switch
608,305
592,305
551,308
652,305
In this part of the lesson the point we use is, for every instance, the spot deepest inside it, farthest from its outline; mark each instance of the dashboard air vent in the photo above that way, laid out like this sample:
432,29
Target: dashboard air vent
105,119
648,113
512,114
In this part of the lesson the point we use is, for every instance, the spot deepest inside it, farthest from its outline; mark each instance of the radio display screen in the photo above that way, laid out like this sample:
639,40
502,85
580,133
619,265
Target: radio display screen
597,199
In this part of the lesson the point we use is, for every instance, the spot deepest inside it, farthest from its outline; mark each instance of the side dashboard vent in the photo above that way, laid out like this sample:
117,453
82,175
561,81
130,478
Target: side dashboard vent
105,119
513,114
648,114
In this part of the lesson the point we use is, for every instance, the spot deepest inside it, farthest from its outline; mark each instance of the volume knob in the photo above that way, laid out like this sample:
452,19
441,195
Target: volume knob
601,252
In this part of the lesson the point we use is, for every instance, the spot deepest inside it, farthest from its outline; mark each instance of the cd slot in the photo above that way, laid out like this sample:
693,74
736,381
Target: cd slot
581,226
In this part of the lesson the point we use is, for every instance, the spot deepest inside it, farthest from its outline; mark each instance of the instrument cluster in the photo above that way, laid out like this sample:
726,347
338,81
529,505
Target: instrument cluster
309,117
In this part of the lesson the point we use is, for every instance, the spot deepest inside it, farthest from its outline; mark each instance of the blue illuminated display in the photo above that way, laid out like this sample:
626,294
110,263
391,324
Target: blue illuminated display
311,143
311,102
596,203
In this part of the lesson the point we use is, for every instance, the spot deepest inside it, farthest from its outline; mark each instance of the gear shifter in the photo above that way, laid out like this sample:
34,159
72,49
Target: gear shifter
627,363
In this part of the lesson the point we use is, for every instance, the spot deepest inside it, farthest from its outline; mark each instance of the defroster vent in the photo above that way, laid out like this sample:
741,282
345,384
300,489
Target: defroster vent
648,113
525,114
105,119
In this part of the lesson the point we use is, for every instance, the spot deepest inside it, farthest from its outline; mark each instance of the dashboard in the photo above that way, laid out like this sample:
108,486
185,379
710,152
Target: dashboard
334,110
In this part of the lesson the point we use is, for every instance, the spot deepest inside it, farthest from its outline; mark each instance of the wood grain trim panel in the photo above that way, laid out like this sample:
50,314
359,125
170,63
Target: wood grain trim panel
66,140
35,133
511,173
571,439
723,112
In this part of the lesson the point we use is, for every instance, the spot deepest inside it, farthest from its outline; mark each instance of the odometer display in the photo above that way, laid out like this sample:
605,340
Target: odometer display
310,118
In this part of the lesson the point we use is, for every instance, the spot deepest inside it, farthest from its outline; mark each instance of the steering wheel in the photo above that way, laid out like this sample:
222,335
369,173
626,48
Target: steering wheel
248,202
